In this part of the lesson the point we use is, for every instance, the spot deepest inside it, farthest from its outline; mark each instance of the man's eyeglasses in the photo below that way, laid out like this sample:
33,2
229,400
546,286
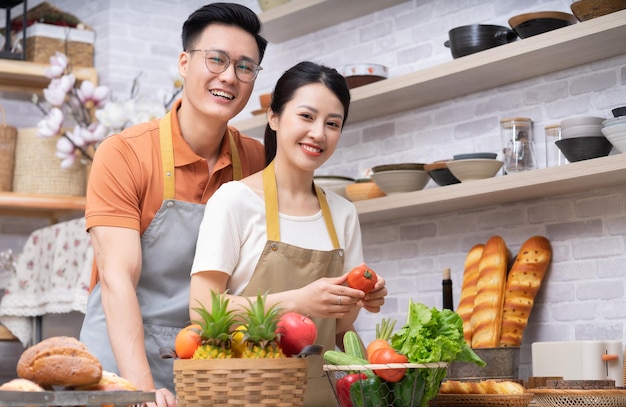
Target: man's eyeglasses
218,62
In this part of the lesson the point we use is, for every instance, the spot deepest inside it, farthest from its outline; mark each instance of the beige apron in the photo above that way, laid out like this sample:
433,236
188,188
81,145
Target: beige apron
167,246
283,267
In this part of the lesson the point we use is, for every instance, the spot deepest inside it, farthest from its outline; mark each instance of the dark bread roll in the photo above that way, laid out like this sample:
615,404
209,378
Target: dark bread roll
59,361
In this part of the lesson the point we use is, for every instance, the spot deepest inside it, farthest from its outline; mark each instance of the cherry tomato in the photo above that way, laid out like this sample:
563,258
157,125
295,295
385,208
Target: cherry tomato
389,355
362,278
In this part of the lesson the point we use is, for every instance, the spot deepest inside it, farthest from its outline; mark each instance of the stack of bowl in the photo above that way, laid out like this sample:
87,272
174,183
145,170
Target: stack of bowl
440,173
396,178
473,166
582,138
615,131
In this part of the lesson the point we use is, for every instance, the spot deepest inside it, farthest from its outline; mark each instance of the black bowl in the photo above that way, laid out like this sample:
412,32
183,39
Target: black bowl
469,39
529,24
584,148
619,111
440,173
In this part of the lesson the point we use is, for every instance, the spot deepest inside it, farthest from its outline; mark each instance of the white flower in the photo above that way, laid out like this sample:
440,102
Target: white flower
144,109
66,151
89,95
51,124
57,90
58,64
113,115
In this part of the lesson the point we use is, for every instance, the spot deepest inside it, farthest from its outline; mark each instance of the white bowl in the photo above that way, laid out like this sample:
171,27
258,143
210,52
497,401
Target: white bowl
479,168
616,134
337,184
614,121
584,130
392,182
581,121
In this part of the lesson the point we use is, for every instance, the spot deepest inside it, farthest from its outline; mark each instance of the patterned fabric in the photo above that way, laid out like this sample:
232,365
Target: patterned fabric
51,276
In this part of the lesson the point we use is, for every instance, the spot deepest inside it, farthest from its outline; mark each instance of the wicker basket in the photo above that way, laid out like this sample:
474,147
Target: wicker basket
240,382
8,138
482,400
38,169
44,40
387,390
579,398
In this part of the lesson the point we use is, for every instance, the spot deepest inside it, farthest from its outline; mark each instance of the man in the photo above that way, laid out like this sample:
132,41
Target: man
147,192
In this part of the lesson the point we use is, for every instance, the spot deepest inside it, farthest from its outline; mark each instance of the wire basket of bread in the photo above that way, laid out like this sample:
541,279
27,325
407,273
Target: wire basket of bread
580,398
484,393
384,385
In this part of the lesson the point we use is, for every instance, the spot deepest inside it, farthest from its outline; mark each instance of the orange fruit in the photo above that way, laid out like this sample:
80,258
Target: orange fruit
187,341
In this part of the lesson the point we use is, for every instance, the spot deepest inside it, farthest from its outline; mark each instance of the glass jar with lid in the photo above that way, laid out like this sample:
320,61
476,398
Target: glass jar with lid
518,148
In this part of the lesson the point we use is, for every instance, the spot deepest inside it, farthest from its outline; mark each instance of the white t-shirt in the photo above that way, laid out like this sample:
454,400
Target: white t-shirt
233,233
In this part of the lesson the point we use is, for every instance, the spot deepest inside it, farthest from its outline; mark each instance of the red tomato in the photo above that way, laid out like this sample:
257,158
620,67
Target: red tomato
389,355
375,345
362,278
187,341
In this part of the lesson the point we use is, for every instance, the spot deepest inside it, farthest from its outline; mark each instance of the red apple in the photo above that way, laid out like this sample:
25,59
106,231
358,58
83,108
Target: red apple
296,331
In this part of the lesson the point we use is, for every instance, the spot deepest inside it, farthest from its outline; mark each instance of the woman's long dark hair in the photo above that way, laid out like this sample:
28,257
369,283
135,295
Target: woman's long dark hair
304,73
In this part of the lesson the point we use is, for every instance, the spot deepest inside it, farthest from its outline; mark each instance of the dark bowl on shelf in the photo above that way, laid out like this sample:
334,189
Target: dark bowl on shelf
471,156
587,9
619,111
469,39
440,173
584,148
530,24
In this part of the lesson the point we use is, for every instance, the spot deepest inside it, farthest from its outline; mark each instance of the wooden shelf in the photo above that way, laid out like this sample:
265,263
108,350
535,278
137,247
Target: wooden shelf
52,207
300,17
548,182
29,77
578,44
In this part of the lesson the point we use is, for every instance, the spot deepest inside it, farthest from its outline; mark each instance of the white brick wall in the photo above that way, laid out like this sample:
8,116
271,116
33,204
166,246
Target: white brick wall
583,295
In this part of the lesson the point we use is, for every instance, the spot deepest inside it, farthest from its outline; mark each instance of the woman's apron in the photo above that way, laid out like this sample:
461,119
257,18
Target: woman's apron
283,267
167,251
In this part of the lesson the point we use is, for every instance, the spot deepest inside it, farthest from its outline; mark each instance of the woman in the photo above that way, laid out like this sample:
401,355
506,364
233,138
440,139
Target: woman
275,232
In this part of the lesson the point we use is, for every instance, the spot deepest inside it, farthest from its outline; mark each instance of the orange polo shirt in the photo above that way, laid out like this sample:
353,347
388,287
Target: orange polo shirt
126,180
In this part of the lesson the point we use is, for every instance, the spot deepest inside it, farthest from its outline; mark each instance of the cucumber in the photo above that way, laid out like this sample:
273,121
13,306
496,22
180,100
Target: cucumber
352,345
335,357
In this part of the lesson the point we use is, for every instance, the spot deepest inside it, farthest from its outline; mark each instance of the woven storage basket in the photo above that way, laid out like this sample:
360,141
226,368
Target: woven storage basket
8,138
482,400
38,169
240,382
44,40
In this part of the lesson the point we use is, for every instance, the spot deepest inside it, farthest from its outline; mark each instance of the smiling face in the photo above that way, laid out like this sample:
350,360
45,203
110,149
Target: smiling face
221,96
309,127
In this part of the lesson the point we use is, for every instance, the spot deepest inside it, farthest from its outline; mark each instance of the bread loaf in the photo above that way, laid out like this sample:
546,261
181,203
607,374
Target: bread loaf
109,382
20,385
468,290
522,286
59,361
482,387
487,314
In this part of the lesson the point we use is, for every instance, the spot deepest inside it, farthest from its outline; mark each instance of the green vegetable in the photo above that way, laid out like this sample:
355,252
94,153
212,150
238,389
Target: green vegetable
409,391
369,393
334,357
352,345
432,335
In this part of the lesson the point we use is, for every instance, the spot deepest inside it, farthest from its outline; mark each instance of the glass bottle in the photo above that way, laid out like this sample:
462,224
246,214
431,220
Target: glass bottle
447,290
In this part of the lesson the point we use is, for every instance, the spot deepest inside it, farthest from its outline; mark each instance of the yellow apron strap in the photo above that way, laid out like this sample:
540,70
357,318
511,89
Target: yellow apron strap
271,208
167,156
271,203
328,218
237,171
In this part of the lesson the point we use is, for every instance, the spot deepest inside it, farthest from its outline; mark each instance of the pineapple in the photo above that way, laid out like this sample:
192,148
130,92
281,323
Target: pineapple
217,329
262,341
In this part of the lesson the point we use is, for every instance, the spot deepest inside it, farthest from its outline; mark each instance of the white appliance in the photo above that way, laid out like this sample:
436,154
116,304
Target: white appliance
580,360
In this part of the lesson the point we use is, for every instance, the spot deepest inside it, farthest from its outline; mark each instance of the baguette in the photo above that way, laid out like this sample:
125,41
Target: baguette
487,316
468,290
522,286
482,387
